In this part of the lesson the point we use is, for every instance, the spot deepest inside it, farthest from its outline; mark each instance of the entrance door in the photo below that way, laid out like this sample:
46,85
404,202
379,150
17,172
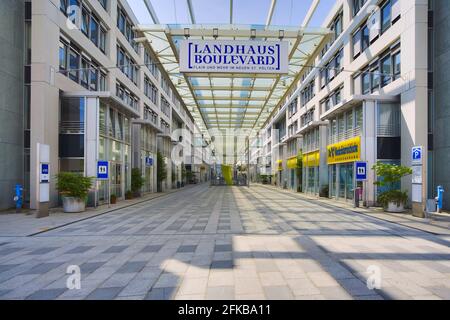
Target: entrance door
342,180
116,179
346,184
349,182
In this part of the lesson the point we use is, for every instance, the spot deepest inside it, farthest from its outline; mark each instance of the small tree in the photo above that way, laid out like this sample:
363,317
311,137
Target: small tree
161,172
137,181
390,175
71,184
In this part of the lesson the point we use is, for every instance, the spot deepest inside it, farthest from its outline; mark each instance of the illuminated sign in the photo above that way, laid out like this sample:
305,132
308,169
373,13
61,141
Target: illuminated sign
344,151
227,56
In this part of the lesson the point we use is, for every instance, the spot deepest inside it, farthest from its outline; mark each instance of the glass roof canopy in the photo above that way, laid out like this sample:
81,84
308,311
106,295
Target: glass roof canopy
231,100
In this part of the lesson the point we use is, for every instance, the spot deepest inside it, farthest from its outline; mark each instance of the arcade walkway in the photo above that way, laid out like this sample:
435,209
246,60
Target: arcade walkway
227,243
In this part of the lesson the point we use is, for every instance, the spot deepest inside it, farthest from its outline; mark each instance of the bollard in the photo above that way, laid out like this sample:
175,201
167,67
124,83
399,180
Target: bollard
440,198
356,197
18,197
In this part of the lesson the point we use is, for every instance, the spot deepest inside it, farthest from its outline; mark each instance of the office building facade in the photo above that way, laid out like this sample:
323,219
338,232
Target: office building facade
91,93
363,96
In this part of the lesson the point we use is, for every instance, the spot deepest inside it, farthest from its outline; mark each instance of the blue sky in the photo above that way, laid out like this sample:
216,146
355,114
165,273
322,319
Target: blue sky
287,12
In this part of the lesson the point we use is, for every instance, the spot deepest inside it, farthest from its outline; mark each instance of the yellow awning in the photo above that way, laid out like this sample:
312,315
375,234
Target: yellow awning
292,163
311,159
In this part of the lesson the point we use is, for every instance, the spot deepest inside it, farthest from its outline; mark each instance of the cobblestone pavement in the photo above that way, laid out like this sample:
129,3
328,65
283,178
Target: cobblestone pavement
228,243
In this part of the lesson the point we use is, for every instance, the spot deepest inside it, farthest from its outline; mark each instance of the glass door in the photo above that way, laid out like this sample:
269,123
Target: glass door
349,182
342,180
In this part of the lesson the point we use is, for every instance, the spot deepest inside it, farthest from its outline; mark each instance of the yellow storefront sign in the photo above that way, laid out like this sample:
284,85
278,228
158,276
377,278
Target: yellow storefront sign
292,163
344,151
311,159
280,165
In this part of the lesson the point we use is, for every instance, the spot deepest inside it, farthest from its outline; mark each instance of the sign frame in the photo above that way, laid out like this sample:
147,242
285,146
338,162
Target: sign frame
44,173
234,56
361,176
417,155
102,175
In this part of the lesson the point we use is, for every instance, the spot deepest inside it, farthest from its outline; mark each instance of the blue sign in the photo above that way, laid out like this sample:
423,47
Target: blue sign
44,177
416,155
148,161
102,169
361,171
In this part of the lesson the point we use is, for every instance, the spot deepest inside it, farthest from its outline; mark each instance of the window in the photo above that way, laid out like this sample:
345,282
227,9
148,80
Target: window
121,21
103,3
359,117
382,72
337,97
94,31
126,96
365,78
126,28
102,40
74,64
386,70
84,73
375,77
63,49
102,82
307,94
397,65
93,78
150,90
63,6
85,21
357,5
386,16
80,67
151,64
127,65
365,38
356,39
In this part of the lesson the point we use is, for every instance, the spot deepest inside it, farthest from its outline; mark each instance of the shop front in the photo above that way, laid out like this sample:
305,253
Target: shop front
341,164
292,166
311,163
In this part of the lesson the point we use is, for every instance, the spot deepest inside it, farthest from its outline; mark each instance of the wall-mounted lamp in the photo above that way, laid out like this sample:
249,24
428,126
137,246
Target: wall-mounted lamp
281,34
215,33
253,33
186,33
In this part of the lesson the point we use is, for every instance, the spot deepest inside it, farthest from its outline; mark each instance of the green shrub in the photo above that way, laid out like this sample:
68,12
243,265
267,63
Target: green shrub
137,181
390,175
71,184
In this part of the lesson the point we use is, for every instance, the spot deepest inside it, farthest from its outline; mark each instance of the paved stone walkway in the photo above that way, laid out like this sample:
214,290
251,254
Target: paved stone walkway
227,243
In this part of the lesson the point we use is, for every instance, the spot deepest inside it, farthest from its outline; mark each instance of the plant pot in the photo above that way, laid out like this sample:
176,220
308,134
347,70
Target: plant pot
72,204
395,208
113,200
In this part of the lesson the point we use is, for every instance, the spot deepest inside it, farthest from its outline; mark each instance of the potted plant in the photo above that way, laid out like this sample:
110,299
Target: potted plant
324,191
137,181
390,175
113,199
128,195
74,189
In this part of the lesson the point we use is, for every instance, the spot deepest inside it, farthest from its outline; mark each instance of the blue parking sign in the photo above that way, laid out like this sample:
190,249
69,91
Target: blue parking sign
102,169
416,155
361,171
